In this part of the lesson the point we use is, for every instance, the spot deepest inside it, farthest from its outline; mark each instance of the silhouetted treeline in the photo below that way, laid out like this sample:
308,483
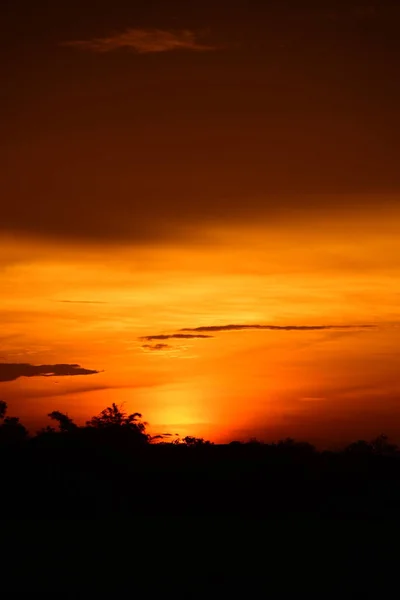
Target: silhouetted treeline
113,464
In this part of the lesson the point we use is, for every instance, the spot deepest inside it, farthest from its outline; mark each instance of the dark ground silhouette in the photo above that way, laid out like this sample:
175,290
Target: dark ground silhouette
111,463
287,506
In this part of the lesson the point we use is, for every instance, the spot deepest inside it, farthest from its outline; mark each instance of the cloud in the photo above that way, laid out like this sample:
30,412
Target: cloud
167,350
175,336
12,371
204,331
217,328
144,41
156,347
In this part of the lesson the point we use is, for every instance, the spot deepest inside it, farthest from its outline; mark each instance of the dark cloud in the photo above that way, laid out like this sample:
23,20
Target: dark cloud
12,371
144,41
217,328
174,336
156,347
204,332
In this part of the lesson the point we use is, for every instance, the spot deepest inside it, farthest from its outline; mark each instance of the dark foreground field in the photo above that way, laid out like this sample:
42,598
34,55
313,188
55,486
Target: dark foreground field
76,479
100,510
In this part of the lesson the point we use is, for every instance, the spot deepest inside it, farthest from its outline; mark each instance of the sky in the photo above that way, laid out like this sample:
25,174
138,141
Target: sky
200,215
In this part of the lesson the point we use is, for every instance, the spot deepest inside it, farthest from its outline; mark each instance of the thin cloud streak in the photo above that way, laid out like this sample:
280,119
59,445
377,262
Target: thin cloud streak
156,347
143,41
13,371
203,332
174,336
218,328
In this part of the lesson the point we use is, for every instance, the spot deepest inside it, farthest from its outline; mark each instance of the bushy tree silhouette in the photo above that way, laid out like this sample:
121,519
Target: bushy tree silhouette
115,421
65,423
3,409
196,442
382,446
114,416
253,441
379,446
291,445
11,430
359,448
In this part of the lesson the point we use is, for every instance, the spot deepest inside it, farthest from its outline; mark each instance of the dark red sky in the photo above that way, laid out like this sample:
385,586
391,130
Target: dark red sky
298,98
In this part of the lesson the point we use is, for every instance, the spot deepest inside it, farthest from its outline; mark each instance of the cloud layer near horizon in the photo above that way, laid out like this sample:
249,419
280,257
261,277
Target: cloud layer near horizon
12,371
143,41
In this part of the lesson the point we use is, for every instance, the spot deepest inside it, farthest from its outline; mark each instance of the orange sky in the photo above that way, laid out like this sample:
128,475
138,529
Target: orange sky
87,306
164,170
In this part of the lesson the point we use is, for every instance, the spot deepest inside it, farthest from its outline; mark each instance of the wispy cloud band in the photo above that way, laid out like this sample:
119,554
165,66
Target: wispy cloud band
208,331
156,347
144,41
174,336
218,328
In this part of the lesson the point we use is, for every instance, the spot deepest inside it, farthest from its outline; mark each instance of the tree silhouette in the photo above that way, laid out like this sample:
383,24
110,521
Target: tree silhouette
113,420
65,423
114,416
3,409
48,430
382,446
253,441
289,444
196,442
379,446
359,448
12,431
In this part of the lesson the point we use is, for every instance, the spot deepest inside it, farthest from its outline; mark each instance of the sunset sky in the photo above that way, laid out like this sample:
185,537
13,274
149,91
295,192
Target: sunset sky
200,215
